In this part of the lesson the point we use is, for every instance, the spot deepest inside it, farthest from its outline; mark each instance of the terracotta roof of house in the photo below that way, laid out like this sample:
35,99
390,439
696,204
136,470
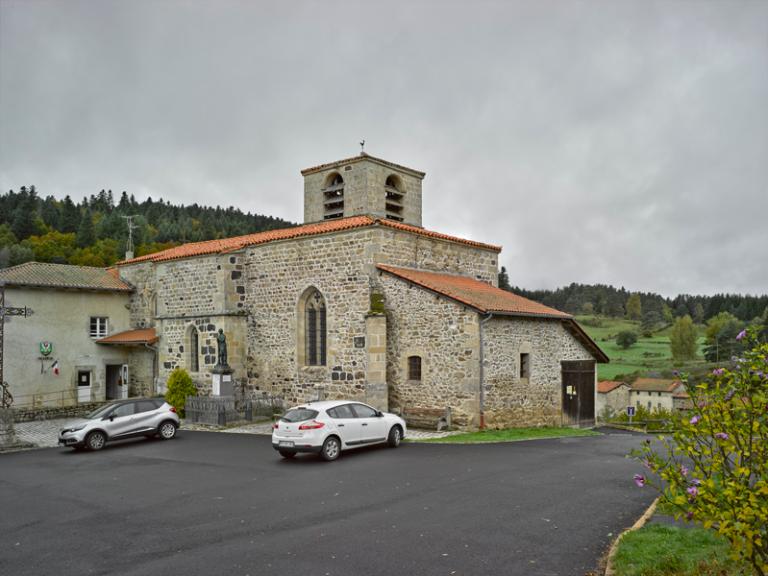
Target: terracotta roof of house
141,336
655,385
41,274
358,158
488,299
609,386
325,227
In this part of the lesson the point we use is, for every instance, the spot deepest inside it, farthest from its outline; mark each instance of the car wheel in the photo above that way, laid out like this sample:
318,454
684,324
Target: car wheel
96,440
331,448
167,430
395,436
287,454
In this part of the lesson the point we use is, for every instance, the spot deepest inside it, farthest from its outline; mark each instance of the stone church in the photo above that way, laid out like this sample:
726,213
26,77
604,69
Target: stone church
362,302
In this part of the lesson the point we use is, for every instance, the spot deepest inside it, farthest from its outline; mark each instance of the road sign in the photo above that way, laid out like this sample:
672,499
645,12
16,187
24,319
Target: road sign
630,411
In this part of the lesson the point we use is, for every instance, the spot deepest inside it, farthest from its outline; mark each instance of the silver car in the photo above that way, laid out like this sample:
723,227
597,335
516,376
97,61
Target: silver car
122,419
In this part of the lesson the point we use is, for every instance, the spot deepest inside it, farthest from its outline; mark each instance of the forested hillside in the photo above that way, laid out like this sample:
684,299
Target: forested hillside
651,308
93,232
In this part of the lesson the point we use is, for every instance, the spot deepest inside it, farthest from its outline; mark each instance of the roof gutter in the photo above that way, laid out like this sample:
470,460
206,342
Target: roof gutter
482,370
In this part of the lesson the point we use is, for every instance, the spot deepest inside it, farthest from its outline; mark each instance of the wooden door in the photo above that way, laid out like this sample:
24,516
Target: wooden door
578,377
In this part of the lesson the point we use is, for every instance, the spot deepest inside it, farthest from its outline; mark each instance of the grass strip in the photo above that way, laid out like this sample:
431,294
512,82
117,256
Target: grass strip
510,435
661,550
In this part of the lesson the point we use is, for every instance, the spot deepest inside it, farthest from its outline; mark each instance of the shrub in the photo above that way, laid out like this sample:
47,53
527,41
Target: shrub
180,386
626,338
714,471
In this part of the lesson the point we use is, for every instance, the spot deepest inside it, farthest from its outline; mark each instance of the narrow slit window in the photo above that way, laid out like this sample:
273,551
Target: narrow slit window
525,365
194,350
414,367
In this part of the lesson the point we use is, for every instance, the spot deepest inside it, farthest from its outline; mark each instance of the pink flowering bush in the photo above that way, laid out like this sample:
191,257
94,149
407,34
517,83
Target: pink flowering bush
714,468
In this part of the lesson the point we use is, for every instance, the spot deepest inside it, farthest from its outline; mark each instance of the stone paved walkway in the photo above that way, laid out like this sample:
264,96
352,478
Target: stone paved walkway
45,433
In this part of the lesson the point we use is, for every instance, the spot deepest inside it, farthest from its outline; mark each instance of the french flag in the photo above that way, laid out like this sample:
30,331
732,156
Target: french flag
55,367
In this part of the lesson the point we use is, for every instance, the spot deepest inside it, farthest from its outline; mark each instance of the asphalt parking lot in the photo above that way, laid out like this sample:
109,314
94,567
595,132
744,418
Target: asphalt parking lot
208,503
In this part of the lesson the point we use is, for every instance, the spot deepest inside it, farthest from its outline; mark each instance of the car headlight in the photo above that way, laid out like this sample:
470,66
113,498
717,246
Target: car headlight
74,428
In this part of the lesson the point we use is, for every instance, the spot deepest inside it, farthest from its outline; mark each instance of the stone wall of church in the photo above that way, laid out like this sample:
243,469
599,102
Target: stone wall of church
342,267
277,275
142,277
206,292
511,401
398,248
253,295
445,336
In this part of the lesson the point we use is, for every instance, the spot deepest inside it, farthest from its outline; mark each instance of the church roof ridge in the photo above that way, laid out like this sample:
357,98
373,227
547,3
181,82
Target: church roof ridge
358,158
227,245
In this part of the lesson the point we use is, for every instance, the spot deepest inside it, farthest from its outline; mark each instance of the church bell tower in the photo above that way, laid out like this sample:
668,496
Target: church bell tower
362,185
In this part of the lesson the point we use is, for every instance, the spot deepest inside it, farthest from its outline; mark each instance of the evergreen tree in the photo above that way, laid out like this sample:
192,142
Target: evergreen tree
70,216
25,217
86,235
49,212
504,279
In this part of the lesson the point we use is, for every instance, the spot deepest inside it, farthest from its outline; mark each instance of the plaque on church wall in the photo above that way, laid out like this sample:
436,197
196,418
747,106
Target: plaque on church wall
359,341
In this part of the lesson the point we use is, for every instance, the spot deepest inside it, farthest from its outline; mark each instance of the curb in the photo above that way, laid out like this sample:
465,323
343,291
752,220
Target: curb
636,526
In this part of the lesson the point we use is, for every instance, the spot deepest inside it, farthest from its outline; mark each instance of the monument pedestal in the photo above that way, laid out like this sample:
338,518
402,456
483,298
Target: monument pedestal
222,384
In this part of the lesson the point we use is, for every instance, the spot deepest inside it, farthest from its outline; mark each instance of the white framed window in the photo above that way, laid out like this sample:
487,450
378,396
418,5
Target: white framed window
99,327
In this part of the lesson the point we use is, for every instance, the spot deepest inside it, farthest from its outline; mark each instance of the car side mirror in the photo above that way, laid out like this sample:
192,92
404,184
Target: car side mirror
379,414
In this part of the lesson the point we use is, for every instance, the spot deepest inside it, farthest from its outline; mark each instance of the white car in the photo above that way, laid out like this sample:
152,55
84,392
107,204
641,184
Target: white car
328,427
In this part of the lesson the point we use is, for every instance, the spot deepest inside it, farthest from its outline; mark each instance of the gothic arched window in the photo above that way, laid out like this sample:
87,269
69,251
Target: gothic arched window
194,350
333,197
312,329
315,332
394,191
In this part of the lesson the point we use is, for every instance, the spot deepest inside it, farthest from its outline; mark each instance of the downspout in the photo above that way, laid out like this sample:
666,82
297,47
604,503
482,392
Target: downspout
482,371
155,365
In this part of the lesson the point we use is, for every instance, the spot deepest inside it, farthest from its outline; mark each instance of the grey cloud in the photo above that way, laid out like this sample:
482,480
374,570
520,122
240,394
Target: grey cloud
619,142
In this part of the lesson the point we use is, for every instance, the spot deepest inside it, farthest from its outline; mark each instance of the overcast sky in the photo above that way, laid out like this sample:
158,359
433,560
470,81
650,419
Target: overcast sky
597,141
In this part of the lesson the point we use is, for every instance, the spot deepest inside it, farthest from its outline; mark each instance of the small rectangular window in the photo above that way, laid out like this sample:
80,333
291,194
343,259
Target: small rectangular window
525,365
99,327
414,367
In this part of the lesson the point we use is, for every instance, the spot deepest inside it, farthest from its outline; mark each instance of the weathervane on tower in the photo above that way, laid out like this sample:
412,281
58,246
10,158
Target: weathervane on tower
362,147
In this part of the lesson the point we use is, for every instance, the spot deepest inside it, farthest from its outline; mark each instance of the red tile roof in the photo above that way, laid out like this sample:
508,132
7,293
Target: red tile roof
225,245
141,336
46,275
488,299
609,386
479,295
655,385
358,158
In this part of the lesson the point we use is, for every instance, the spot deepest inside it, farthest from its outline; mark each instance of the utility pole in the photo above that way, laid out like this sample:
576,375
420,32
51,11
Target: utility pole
7,399
131,227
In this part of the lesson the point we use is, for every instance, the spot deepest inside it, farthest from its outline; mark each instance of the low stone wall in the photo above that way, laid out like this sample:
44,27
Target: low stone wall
49,413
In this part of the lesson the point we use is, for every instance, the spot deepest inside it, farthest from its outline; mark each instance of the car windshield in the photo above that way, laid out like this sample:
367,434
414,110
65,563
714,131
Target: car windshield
99,412
299,415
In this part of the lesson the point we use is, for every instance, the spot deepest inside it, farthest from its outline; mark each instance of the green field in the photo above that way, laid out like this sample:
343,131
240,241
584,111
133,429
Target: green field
647,355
